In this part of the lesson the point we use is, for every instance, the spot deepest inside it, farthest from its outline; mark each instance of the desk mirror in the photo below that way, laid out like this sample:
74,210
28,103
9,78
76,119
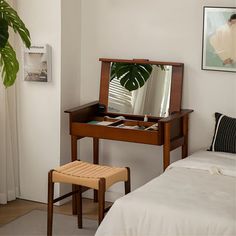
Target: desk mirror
141,87
149,95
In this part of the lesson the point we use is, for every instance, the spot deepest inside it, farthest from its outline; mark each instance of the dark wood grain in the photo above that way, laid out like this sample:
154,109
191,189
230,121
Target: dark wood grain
141,61
176,89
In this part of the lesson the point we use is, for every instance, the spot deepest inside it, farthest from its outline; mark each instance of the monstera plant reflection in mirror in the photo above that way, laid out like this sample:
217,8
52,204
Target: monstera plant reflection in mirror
140,89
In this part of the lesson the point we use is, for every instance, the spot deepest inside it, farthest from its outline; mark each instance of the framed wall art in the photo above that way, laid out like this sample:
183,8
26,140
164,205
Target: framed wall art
37,63
219,39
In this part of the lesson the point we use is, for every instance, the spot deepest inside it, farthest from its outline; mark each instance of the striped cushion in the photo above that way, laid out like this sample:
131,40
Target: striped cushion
224,139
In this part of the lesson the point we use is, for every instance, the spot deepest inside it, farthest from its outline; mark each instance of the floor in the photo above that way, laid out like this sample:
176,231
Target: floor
19,207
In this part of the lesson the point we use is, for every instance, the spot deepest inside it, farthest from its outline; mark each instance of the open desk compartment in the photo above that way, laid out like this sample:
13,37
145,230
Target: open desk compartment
117,129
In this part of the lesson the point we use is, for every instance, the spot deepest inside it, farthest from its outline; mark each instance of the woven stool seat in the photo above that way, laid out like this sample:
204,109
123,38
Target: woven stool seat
83,175
88,175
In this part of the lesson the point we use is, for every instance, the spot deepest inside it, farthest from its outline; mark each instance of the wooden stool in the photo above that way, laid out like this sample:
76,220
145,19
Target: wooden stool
83,174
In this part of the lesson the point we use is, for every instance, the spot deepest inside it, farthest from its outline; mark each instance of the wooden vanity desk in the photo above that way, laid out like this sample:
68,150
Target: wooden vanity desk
172,131
96,121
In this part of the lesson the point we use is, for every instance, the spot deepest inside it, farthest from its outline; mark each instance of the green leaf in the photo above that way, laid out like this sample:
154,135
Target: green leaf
9,65
14,21
129,84
131,75
113,71
4,35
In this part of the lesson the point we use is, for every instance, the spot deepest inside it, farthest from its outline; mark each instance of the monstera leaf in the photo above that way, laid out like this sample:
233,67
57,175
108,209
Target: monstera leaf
131,75
14,21
4,35
9,65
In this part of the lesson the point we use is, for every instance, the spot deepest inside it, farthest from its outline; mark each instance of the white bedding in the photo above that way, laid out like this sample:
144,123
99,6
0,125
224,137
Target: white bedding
193,197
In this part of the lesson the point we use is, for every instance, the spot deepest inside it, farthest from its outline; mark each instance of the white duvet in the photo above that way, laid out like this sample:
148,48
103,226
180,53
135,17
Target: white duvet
193,197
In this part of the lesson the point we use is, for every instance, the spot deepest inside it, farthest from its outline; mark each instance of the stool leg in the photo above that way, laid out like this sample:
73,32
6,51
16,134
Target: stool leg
79,204
95,195
101,199
95,161
74,201
127,183
50,203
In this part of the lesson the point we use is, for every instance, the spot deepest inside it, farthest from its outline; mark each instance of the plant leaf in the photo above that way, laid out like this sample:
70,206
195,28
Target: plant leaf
9,65
129,84
11,16
113,71
4,35
131,75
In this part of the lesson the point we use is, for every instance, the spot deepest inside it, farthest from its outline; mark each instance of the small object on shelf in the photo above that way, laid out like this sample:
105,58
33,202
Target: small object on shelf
145,118
105,123
95,122
128,126
141,127
153,127
120,117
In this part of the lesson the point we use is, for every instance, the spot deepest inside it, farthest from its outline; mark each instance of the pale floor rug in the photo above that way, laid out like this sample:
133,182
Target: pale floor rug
35,223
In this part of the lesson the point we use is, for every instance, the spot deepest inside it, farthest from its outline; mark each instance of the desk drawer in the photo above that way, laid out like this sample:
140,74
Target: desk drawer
116,133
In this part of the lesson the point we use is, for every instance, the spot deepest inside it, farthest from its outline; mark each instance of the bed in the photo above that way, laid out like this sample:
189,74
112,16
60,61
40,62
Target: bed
195,196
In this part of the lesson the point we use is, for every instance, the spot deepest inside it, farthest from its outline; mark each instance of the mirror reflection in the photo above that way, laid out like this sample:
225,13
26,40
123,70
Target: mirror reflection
152,98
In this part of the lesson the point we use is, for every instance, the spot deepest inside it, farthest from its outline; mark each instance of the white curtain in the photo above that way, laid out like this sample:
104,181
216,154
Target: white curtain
165,102
9,161
138,100
143,97
153,98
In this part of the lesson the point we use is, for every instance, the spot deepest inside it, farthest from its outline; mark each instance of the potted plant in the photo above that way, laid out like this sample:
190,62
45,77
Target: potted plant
9,65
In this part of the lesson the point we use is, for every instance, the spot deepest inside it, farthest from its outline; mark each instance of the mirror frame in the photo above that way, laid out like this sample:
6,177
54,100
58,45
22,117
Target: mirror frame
176,81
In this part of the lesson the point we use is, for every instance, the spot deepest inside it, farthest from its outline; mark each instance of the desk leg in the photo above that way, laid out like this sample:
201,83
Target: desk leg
185,134
73,158
74,148
95,161
166,146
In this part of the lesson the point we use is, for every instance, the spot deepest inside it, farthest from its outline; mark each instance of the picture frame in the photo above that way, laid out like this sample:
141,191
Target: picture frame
219,39
37,63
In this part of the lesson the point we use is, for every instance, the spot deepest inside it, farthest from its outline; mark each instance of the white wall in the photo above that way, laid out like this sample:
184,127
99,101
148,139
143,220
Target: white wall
158,30
43,125
39,103
70,70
